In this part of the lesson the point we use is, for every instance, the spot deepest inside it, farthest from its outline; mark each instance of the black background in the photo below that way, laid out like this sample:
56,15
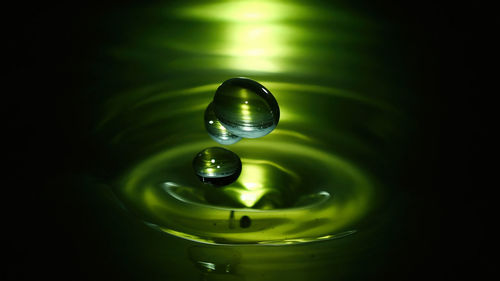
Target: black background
446,46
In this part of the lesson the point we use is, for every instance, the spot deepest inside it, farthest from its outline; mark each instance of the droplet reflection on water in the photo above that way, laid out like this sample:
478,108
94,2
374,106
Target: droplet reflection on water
216,130
214,259
246,108
217,166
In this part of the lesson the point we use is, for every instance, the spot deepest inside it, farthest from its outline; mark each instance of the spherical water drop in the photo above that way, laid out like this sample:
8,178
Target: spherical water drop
246,108
245,222
216,130
217,166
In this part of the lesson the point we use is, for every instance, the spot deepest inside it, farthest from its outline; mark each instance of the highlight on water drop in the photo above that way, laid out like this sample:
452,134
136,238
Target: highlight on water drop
246,108
216,130
217,166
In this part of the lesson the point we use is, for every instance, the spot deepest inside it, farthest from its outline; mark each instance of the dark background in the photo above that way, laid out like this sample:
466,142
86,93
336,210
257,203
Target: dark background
446,48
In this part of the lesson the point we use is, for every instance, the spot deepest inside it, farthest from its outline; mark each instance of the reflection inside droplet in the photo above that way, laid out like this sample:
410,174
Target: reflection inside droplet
217,166
216,130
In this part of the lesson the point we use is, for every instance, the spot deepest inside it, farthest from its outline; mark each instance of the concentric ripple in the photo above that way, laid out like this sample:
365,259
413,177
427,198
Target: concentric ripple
318,196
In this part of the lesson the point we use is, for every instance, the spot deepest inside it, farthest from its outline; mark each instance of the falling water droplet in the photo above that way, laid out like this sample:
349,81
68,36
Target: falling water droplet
217,166
216,130
246,108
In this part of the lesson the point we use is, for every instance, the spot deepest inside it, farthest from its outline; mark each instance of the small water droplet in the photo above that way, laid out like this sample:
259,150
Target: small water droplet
246,108
217,166
245,222
216,130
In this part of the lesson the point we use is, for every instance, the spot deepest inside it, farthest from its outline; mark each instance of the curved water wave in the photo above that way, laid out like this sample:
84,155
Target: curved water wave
320,195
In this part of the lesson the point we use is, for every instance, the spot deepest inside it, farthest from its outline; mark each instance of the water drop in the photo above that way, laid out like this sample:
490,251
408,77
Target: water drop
246,108
217,166
216,130
245,222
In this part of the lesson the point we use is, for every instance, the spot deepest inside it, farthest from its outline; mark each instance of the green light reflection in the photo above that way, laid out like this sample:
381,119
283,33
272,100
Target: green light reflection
257,36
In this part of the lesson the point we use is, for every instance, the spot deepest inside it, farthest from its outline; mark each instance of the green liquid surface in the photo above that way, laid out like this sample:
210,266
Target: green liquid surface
297,194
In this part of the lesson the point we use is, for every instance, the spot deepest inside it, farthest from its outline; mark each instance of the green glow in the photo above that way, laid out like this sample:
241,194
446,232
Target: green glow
257,179
248,11
257,46
252,35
